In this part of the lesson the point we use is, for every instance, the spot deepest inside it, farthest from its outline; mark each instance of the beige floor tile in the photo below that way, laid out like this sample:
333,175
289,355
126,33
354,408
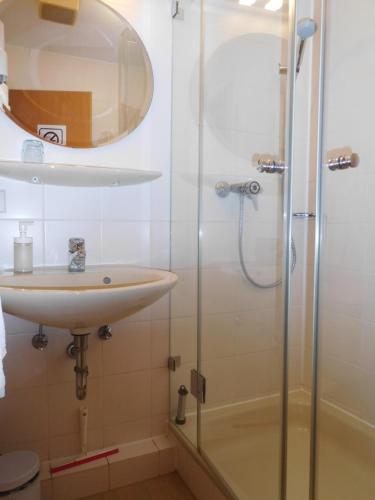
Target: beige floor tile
170,487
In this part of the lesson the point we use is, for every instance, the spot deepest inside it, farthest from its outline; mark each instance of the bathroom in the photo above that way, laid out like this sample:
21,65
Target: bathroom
186,251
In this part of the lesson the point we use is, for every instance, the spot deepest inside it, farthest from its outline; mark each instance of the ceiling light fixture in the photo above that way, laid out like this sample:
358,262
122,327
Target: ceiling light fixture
247,3
274,5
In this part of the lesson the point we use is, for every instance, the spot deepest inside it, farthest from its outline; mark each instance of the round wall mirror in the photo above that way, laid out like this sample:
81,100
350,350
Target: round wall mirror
78,73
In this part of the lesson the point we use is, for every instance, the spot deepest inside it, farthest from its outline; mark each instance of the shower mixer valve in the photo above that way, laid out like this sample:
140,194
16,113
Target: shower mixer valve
248,188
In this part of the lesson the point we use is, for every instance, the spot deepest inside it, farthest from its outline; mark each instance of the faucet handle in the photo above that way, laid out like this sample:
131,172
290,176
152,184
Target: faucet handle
77,255
76,245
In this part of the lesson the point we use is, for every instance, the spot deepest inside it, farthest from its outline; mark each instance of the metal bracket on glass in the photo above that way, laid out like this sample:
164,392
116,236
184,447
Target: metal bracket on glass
343,162
198,386
174,362
304,215
269,165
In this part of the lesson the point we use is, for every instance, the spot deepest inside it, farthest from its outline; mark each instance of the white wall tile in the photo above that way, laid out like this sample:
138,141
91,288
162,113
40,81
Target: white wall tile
24,416
72,203
126,242
23,200
21,375
116,224
119,390
63,408
130,203
129,349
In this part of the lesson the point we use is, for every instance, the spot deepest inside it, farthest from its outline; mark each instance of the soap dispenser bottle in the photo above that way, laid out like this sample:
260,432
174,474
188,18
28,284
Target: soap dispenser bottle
23,250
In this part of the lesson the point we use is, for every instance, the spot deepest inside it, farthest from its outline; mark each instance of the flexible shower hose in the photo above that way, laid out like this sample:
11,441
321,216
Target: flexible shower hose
242,260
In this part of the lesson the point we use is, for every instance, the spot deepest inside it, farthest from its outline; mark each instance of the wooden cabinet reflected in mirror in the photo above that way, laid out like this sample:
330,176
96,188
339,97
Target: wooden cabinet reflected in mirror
80,85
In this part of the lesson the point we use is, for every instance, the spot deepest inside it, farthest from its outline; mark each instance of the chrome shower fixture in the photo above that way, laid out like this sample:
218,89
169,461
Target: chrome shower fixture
269,165
306,28
343,162
248,188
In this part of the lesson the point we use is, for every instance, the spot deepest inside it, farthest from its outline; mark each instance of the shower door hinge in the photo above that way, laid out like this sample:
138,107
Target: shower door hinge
174,362
198,386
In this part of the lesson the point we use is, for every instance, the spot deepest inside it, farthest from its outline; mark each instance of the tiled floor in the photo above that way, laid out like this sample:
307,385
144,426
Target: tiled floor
169,487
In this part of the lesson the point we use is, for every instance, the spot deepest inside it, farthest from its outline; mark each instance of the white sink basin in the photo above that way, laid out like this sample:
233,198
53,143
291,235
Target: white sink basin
78,301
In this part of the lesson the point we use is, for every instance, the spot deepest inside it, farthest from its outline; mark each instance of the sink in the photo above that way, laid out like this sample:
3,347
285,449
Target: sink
79,301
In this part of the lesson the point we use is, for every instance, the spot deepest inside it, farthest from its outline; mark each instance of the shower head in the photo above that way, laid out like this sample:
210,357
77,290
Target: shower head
306,28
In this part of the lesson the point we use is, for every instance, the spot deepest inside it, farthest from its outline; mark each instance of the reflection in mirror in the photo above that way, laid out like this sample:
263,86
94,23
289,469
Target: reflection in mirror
244,105
78,73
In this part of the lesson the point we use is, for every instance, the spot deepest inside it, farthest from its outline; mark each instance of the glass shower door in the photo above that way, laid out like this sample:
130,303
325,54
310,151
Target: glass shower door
345,441
185,213
241,230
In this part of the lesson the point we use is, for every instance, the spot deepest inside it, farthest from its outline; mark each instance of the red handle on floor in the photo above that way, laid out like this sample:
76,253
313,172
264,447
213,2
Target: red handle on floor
83,461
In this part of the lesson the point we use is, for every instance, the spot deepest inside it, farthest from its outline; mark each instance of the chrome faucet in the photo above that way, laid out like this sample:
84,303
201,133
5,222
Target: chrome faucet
77,255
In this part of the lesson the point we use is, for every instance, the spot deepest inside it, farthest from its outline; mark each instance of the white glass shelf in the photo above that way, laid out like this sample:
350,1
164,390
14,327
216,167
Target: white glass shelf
58,174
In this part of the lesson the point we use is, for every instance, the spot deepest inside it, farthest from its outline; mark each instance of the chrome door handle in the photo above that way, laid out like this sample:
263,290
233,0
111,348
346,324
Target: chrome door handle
343,162
270,165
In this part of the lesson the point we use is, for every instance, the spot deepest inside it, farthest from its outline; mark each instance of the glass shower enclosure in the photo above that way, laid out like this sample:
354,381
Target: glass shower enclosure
272,338
228,225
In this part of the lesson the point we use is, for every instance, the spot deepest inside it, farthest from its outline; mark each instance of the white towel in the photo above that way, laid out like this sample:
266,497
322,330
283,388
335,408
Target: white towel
3,352
4,96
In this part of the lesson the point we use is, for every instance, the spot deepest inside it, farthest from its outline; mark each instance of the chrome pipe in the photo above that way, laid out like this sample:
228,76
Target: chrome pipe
81,369
77,350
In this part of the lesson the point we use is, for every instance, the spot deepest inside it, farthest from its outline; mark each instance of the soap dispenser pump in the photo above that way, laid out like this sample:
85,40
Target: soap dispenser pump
23,250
